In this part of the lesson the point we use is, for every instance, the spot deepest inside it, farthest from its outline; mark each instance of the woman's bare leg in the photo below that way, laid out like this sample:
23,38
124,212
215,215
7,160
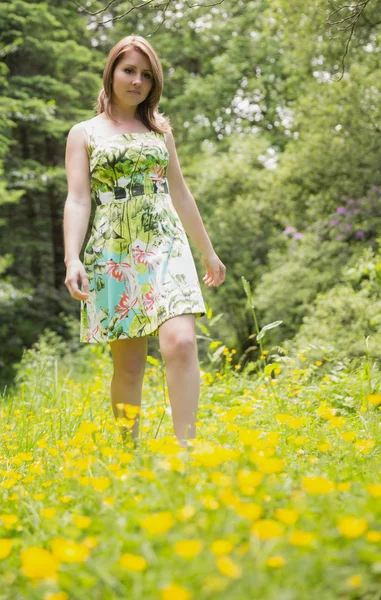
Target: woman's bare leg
129,358
178,345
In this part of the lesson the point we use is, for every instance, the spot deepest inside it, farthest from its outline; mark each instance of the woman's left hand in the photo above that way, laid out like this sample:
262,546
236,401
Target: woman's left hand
215,270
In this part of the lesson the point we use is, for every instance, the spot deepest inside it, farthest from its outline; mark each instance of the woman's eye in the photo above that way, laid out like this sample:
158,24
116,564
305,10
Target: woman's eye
127,69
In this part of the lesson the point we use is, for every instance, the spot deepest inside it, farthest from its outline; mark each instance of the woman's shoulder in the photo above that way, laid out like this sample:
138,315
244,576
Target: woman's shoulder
86,125
80,129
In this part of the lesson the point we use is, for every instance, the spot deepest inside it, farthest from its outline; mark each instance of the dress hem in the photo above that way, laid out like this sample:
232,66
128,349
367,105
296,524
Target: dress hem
153,333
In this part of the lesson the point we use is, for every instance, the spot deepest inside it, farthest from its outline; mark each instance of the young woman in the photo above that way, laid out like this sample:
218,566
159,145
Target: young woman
138,276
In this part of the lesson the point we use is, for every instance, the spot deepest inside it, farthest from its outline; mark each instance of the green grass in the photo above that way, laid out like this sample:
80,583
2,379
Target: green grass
272,500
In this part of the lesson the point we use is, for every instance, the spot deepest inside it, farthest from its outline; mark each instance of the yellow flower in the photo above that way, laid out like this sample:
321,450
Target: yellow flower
347,436
296,422
221,479
354,581
125,457
228,567
56,596
66,499
246,477
87,427
100,484
147,474
108,452
373,536
275,561
374,399
207,454
317,485
38,563
374,489
221,547
186,512
8,520
157,523
272,465
301,538
324,446
131,410
81,522
173,591
5,547
326,412
248,437
109,501
283,417
7,485
133,562
364,446
336,422
69,551
301,440
48,513
344,486
188,548
209,502
38,496
90,542
249,510
242,549
352,527
286,515
267,529
214,583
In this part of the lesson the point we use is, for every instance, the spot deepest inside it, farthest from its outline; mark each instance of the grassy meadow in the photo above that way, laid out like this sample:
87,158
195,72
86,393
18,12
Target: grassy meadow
278,497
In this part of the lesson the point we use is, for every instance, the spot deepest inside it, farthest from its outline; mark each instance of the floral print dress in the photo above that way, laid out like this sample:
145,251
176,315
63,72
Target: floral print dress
138,260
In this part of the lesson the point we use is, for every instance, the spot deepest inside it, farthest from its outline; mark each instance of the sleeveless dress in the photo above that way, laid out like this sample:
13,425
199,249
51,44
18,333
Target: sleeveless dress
137,260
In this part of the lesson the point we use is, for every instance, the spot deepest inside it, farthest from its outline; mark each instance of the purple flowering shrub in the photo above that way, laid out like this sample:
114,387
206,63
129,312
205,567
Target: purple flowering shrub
357,219
291,232
354,220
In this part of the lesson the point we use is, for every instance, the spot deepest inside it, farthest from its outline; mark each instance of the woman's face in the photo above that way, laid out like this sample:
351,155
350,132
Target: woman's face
133,79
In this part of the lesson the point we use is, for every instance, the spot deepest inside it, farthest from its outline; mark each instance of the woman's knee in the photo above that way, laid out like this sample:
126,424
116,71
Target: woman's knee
129,357
178,346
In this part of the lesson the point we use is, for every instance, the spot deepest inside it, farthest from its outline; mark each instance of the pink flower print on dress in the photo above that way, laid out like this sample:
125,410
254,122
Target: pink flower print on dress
92,321
144,257
118,270
157,172
125,305
150,298
123,272
92,333
157,175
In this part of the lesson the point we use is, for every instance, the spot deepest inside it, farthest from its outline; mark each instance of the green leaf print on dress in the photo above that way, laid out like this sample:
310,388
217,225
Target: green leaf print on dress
138,260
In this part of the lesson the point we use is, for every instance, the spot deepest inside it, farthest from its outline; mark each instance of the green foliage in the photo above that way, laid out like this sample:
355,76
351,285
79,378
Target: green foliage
266,141
349,313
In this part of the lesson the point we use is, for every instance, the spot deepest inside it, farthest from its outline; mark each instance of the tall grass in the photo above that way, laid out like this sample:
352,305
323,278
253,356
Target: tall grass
278,497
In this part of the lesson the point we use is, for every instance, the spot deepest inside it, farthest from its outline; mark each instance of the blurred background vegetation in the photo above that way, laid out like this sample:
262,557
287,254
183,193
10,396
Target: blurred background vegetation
279,142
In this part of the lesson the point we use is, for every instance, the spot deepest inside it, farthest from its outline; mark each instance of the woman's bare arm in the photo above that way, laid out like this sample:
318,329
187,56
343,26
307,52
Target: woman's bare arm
77,208
78,202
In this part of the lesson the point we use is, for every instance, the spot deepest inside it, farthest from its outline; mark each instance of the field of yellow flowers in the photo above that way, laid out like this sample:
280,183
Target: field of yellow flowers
278,497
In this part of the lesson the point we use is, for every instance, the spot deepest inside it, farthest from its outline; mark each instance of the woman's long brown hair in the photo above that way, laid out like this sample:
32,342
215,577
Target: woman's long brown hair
148,110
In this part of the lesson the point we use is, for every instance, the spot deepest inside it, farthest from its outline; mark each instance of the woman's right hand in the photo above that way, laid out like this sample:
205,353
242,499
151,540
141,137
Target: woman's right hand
76,271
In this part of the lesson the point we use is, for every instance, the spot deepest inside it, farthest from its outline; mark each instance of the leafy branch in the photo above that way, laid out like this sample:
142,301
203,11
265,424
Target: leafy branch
145,4
347,23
